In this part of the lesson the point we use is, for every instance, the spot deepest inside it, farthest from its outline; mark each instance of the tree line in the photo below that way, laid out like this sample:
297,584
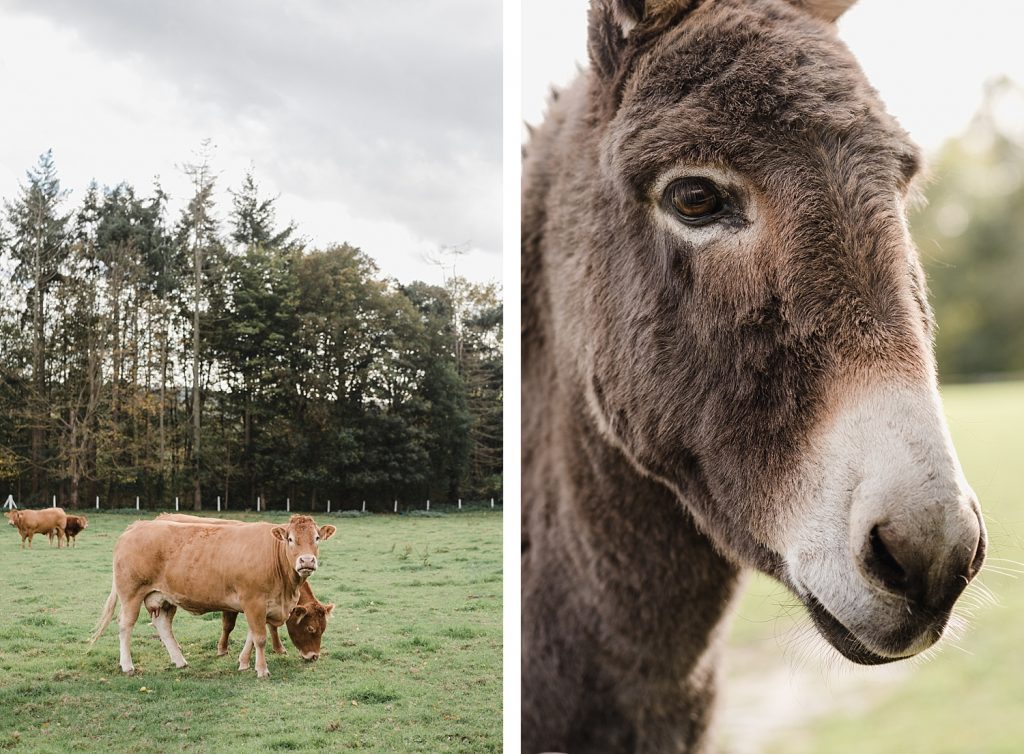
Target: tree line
194,357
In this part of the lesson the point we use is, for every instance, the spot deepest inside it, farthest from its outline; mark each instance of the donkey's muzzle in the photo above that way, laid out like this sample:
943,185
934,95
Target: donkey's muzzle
928,569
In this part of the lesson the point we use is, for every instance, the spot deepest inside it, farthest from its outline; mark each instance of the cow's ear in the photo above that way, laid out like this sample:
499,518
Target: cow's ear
328,609
326,532
299,612
280,532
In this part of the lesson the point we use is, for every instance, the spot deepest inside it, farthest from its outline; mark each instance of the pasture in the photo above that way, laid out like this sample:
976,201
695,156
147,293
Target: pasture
411,658
786,694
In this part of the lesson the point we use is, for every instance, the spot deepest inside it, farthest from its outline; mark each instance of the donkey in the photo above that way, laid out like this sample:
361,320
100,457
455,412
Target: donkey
727,364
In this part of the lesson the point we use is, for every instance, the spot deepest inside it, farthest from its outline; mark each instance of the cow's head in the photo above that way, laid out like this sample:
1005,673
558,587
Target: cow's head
306,626
302,539
746,310
13,517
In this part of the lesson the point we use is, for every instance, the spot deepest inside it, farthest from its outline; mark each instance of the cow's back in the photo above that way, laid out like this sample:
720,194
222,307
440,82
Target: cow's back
44,520
199,567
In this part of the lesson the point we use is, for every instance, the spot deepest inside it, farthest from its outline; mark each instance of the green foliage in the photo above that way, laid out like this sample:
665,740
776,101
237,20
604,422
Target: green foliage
404,667
971,239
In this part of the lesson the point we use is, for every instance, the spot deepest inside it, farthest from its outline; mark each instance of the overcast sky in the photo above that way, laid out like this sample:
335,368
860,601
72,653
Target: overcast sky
928,59
378,124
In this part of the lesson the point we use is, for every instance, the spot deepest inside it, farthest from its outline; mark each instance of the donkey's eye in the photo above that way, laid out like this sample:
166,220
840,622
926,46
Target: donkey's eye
695,200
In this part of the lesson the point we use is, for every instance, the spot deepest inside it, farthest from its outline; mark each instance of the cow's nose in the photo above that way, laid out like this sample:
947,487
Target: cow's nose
929,571
307,561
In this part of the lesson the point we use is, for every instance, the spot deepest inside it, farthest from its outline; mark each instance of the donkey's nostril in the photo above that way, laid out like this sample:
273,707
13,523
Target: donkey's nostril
883,563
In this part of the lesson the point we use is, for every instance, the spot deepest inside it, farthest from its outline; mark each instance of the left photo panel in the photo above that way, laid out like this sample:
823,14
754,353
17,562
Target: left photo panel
251,354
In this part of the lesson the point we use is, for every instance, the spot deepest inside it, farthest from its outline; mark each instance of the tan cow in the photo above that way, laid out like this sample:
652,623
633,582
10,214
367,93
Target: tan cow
308,620
203,568
30,523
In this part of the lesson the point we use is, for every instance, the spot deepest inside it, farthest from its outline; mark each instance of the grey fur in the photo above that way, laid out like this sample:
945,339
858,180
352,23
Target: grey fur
645,361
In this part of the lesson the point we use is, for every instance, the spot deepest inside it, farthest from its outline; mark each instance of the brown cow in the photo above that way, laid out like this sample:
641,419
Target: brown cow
75,526
306,626
206,567
308,620
30,523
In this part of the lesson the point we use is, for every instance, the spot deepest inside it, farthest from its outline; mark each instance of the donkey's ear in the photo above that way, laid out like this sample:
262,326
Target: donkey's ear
611,21
826,10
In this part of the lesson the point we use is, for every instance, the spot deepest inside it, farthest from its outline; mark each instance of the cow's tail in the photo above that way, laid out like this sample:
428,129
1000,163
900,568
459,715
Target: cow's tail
108,614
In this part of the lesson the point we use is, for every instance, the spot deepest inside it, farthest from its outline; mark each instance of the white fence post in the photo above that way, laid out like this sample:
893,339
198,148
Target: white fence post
257,503
460,503
396,506
54,501
428,503
136,502
218,503
492,502
328,505
364,506
288,505
97,502
175,502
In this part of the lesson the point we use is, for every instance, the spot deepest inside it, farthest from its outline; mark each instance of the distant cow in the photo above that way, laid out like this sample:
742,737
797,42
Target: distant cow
75,525
308,620
203,568
45,521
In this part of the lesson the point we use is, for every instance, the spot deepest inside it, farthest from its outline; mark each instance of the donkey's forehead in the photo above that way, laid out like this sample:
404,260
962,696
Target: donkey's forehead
739,82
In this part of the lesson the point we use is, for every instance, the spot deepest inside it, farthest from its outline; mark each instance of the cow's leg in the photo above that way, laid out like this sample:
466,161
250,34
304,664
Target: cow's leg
61,536
162,620
227,625
243,657
126,622
30,535
275,640
256,617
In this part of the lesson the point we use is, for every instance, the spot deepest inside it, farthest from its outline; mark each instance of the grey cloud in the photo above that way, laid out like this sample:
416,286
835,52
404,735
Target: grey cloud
394,107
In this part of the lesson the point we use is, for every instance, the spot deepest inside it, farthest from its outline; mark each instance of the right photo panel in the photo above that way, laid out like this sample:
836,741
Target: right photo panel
772,357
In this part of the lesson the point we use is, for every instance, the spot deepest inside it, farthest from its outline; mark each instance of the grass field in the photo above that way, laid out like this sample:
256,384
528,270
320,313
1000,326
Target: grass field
411,659
968,698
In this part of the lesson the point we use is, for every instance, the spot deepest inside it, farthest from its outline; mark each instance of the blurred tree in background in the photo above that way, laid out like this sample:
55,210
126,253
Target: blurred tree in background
971,238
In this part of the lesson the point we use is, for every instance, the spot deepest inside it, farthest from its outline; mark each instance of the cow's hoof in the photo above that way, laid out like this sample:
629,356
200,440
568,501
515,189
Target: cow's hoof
184,664
128,671
263,674
221,652
281,651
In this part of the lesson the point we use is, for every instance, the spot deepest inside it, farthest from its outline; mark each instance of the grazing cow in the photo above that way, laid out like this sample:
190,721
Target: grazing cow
306,626
308,620
45,521
256,570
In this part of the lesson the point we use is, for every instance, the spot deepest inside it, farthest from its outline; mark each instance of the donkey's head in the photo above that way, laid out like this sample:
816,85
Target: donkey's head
747,313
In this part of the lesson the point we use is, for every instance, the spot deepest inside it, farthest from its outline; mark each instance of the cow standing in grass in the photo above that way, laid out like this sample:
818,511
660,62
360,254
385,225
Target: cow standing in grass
209,567
75,526
307,622
29,523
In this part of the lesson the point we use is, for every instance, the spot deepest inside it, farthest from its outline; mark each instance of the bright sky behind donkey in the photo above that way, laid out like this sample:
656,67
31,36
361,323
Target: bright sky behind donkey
379,124
929,59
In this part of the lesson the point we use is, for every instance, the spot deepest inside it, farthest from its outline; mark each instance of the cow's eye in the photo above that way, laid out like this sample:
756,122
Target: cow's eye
291,540
695,200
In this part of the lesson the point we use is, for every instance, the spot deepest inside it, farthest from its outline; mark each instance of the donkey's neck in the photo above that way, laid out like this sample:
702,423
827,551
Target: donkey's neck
638,593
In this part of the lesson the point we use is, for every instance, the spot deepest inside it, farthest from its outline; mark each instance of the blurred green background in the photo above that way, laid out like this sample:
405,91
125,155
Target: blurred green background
785,691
